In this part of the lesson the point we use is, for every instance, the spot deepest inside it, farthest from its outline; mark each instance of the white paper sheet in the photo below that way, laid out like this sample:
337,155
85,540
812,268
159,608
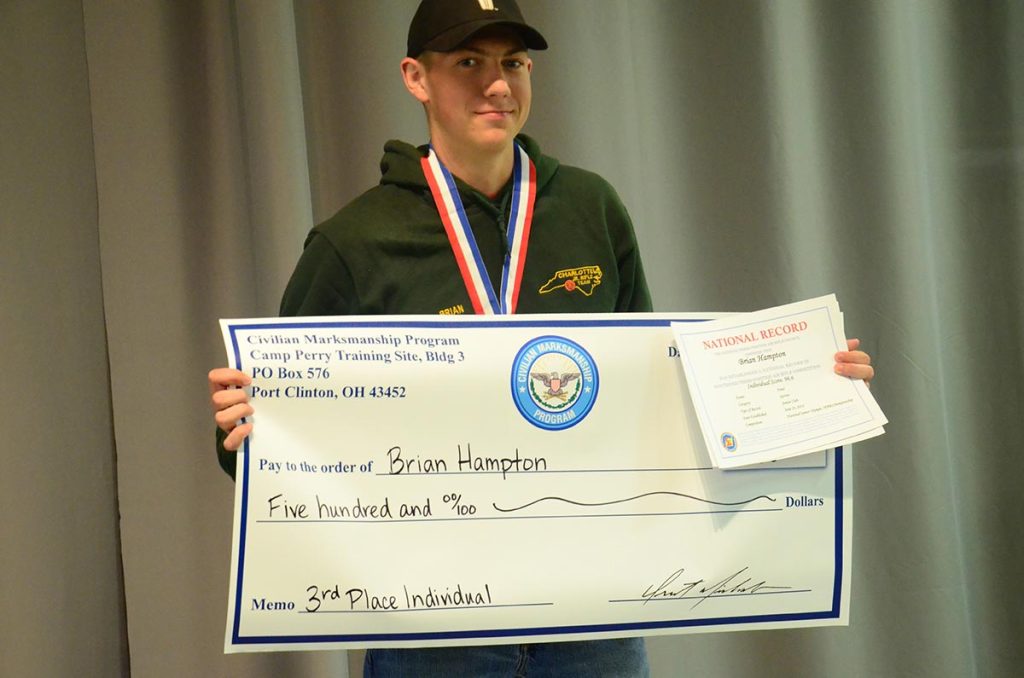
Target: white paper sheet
764,388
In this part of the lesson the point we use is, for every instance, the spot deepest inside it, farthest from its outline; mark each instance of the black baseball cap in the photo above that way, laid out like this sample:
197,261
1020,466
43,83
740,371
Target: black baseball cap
443,25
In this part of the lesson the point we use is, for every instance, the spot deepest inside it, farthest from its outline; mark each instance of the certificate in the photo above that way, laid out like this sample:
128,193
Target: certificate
422,480
764,388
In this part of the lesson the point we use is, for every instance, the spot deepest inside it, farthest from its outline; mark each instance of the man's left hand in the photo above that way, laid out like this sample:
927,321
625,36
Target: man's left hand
853,363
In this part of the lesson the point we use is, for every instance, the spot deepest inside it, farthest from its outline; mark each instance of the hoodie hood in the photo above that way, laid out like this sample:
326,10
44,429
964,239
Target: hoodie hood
400,165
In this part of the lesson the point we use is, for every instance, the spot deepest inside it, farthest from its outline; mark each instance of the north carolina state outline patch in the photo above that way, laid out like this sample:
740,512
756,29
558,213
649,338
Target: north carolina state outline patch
581,278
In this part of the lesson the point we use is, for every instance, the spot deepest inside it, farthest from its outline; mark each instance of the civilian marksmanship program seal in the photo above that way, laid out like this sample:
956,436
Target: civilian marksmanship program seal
554,382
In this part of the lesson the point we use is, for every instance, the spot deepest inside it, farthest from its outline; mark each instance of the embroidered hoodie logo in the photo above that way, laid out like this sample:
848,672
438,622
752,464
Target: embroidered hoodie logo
583,278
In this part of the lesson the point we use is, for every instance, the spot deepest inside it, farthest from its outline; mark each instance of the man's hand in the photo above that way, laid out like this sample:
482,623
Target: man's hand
230,404
853,363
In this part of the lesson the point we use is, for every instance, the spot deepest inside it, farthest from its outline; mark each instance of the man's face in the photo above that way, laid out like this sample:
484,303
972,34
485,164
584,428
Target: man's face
478,96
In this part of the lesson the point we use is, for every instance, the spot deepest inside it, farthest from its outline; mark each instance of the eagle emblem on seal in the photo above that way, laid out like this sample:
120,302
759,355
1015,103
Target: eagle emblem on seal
555,383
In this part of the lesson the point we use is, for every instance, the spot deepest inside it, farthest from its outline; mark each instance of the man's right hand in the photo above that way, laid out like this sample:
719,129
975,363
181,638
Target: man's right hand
230,403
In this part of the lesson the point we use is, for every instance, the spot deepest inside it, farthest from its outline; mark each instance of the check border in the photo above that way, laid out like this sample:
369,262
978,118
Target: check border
836,462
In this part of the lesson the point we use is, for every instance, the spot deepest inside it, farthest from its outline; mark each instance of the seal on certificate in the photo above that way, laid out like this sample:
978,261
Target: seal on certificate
729,442
554,382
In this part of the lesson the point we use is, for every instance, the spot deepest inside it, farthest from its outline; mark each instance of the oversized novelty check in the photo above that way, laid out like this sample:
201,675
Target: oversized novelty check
420,480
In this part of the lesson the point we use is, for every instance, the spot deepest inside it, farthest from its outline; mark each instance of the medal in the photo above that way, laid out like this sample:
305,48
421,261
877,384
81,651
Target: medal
460,235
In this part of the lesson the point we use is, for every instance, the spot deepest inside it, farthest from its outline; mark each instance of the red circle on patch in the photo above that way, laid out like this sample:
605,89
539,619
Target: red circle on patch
570,285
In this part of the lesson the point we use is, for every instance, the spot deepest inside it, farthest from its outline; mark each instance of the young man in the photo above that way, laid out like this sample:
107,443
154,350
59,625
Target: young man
411,246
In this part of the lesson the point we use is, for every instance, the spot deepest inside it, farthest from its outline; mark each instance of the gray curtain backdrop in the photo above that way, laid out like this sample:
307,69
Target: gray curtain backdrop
161,162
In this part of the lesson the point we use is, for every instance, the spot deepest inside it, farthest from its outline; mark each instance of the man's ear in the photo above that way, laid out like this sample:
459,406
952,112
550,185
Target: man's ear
414,76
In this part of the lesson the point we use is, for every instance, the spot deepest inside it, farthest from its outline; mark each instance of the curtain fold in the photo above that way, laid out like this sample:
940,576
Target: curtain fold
203,202
60,567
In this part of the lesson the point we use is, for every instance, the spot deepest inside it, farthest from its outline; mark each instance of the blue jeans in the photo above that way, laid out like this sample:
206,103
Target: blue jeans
621,658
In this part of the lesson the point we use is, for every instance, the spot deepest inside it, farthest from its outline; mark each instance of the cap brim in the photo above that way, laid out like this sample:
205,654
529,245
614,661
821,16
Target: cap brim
453,37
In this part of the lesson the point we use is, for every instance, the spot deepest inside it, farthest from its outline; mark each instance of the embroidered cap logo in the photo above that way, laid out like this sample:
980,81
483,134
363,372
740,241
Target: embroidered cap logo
487,5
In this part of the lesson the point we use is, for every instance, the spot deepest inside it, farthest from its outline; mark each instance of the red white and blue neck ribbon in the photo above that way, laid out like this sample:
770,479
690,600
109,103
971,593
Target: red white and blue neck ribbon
460,234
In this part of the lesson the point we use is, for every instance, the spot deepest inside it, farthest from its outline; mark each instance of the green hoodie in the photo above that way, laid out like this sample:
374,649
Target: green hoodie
387,251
